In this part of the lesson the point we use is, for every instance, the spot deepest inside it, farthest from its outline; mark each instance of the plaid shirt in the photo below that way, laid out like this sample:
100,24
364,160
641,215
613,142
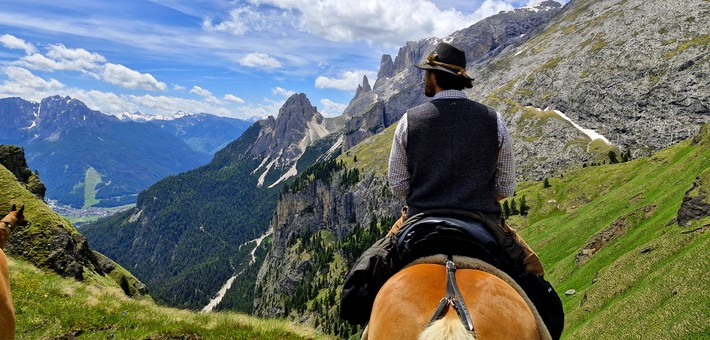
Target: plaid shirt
399,176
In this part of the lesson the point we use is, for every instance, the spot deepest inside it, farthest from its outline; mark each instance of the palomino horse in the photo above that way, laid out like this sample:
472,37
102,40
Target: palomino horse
7,313
499,309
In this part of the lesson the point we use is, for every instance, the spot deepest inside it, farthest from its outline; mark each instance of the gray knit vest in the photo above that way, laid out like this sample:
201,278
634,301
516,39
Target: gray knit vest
452,153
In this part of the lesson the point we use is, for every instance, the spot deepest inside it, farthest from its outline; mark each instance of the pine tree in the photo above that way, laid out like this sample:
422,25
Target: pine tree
612,157
514,207
524,208
506,209
355,158
546,183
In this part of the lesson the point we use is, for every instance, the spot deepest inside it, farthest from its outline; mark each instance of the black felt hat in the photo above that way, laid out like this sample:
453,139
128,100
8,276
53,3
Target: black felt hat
446,58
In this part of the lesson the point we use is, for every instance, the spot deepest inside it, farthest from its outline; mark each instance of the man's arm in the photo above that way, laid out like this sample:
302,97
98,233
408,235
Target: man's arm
505,175
398,175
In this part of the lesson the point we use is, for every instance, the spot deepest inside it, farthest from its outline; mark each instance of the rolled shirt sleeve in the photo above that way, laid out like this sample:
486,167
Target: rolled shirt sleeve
398,175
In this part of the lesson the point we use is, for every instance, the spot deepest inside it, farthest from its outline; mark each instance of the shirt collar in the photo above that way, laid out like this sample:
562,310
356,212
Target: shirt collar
450,94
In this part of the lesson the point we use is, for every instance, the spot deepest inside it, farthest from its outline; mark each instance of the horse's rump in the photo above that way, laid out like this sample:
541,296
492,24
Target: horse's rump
498,306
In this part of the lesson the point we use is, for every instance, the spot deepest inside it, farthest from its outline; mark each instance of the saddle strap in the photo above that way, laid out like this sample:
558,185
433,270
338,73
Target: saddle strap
454,298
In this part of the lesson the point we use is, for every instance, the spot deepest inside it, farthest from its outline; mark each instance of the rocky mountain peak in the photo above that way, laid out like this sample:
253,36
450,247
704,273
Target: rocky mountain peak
284,139
363,88
296,109
386,67
57,115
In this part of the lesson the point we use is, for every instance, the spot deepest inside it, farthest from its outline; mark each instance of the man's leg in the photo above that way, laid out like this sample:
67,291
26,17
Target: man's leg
532,261
399,222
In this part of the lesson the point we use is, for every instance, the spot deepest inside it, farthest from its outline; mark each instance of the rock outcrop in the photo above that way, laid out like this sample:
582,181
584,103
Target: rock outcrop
634,71
13,158
282,141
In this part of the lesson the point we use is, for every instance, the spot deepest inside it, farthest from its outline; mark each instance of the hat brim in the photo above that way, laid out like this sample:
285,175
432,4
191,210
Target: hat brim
426,66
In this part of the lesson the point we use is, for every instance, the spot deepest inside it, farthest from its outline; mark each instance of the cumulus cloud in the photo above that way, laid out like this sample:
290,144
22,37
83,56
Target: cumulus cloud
13,42
257,59
177,87
125,77
382,21
330,108
61,58
21,82
348,81
205,94
233,98
282,92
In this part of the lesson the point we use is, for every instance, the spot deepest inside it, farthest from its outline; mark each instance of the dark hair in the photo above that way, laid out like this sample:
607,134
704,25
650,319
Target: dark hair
448,81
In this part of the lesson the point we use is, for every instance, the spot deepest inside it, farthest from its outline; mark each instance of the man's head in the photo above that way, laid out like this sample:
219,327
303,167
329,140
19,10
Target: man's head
445,70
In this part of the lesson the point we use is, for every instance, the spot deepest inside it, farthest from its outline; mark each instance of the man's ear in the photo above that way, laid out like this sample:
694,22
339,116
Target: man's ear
14,208
22,211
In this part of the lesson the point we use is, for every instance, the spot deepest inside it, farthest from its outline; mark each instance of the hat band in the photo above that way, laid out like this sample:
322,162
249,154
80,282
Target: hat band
431,61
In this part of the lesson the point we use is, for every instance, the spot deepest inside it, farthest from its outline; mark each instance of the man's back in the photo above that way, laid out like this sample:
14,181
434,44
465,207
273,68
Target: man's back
452,147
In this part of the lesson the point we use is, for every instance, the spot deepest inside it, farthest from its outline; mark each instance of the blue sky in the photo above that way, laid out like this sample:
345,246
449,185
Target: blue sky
231,58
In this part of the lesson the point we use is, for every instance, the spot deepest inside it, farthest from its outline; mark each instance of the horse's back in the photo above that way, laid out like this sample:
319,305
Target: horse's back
7,314
405,304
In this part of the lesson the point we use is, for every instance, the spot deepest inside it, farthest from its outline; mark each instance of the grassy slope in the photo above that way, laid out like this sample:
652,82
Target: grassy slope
48,306
91,180
661,293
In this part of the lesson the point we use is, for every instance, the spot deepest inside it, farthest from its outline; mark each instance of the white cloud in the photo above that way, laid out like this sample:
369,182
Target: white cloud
382,21
331,109
247,18
170,105
237,23
106,102
125,77
282,91
270,107
177,87
233,98
22,82
257,59
348,81
10,41
205,94
61,58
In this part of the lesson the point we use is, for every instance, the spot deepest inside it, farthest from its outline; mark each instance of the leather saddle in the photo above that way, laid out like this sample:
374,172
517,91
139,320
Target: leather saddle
449,234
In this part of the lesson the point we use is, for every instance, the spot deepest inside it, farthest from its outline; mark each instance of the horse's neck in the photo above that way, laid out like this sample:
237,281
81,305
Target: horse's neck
4,233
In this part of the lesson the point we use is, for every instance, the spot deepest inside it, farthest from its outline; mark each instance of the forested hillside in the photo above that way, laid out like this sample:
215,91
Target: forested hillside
182,238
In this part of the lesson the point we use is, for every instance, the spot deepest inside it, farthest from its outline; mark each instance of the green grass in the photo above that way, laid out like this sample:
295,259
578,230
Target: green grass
372,153
36,211
91,180
49,306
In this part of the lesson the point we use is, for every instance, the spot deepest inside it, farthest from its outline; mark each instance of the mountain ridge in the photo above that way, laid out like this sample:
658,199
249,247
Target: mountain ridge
96,173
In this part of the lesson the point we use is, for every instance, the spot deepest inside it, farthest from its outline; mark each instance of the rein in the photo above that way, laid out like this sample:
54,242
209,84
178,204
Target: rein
453,298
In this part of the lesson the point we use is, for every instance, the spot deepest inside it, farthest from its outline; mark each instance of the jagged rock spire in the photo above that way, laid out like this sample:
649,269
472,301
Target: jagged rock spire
363,88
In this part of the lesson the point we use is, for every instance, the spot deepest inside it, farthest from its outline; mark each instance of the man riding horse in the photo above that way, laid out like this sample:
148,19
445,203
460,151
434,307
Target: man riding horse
453,156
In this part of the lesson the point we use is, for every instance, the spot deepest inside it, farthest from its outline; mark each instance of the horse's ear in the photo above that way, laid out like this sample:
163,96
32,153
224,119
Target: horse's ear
14,208
22,210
